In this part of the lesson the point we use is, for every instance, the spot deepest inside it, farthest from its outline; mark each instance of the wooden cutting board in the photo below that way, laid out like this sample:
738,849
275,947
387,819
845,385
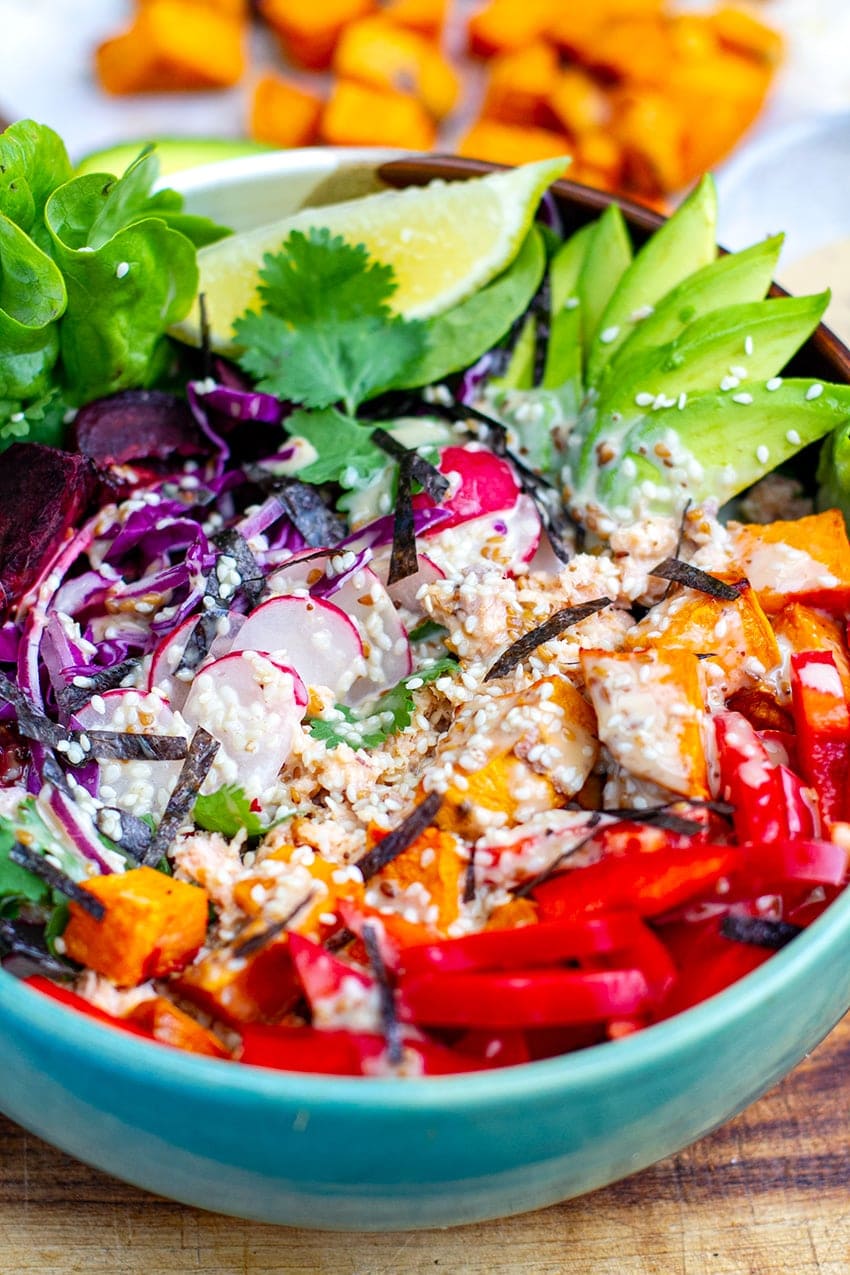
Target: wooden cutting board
769,1194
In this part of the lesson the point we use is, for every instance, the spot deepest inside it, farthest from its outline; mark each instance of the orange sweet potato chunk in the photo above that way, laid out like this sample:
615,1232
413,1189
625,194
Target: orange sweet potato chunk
432,862
173,45
377,52
283,113
511,143
152,926
805,628
505,25
746,34
520,84
803,560
428,17
172,1026
577,102
256,987
361,115
308,32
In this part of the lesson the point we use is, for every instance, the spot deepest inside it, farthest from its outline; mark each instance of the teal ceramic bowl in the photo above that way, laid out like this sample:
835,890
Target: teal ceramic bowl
367,1154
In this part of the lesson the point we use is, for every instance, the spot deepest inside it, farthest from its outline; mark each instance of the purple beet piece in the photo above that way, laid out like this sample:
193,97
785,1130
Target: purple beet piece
137,425
43,494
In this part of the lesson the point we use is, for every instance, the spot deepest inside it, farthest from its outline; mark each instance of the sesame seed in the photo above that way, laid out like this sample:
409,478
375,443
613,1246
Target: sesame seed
609,334
814,391
122,269
729,383
683,398
748,346
644,400
762,454
743,399
773,384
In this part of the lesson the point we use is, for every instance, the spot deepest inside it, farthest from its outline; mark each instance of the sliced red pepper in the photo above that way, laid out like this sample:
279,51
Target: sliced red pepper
539,998
495,1048
800,805
423,1057
331,1053
801,860
749,780
546,943
707,962
650,883
66,997
323,975
393,933
822,718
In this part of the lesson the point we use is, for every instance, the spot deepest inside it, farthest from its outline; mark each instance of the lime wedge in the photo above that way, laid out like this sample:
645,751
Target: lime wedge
444,241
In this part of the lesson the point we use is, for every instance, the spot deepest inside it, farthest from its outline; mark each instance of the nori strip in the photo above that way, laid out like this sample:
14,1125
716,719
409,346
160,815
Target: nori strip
545,632
103,744
426,474
469,877
305,508
234,545
247,947
658,817
40,866
199,758
420,818
339,939
99,680
758,931
201,638
403,559
389,1017
136,834
680,572
527,887
22,942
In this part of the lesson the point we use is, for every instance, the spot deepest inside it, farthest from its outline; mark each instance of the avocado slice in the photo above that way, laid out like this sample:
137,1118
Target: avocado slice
608,257
174,153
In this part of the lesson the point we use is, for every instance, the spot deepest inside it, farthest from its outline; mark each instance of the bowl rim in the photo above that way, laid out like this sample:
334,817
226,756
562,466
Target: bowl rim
587,1066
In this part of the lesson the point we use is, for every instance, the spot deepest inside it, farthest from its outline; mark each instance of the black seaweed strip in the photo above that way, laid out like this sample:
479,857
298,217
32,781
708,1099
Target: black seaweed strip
389,1017
693,578
403,559
109,745
253,582
247,947
52,773
114,746
545,632
335,942
199,758
136,834
26,942
426,474
99,680
527,887
758,931
56,879
201,639
421,817
469,877
308,512
679,541
541,308
658,817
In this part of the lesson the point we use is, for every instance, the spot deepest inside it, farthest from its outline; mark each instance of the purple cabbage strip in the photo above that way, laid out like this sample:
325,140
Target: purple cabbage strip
78,827
239,404
477,376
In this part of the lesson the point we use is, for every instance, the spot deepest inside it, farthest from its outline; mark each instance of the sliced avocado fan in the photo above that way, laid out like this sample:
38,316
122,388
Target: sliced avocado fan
661,382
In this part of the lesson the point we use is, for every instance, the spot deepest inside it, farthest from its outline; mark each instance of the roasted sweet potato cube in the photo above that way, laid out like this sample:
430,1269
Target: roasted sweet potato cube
172,1026
152,926
308,33
804,560
428,17
650,709
283,113
511,143
520,83
433,868
378,52
361,115
238,984
506,25
173,45
577,102
744,33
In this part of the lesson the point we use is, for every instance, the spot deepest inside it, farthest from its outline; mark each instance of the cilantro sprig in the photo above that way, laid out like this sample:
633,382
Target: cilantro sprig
326,334
389,714
228,810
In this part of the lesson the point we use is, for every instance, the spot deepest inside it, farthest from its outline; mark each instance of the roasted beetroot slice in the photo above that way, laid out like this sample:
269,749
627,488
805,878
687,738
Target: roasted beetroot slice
137,425
43,493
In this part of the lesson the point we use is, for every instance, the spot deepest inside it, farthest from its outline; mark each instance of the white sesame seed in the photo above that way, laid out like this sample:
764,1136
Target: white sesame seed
762,454
644,400
122,269
609,334
748,346
743,399
729,383
793,438
773,384
814,391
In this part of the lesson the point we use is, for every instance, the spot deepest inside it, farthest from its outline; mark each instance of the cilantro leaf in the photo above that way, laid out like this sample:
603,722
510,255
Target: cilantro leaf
340,442
369,727
228,810
17,885
326,334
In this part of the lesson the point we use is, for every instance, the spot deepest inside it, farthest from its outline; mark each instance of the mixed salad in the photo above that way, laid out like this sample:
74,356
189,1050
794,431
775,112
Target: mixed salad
394,695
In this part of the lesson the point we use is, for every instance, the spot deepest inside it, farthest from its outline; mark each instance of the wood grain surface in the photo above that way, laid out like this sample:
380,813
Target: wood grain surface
769,1194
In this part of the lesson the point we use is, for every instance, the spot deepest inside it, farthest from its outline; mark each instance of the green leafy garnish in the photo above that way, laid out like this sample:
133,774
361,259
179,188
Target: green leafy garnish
17,885
326,333
93,270
228,811
340,443
390,713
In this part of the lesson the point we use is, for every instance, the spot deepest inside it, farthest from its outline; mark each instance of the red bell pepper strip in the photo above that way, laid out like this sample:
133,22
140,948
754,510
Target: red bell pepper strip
323,975
707,962
800,860
66,997
538,998
749,780
495,1048
330,1053
650,883
542,944
800,805
822,719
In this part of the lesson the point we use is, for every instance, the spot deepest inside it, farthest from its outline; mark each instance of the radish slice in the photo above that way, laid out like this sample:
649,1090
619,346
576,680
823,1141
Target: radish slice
300,572
388,657
311,635
165,661
403,592
138,786
253,706
483,483
505,541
